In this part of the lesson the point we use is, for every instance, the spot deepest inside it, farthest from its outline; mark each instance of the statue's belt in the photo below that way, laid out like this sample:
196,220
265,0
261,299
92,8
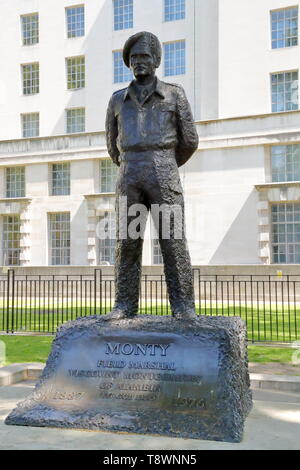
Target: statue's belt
148,155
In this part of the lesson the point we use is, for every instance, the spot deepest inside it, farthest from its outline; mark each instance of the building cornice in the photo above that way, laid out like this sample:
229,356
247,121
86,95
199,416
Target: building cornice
95,195
247,131
53,148
248,116
15,205
66,137
285,184
15,199
224,133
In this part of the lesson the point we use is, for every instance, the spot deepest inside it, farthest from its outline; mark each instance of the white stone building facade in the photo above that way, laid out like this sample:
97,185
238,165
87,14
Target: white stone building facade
239,64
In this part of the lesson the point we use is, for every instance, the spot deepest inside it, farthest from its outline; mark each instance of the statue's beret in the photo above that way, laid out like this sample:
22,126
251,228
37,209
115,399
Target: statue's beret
152,40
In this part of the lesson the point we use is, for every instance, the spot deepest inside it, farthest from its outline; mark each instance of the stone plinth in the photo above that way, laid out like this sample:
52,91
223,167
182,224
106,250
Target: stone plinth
148,375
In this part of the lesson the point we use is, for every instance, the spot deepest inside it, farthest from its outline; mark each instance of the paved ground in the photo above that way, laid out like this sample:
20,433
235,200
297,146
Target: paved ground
274,423
274,368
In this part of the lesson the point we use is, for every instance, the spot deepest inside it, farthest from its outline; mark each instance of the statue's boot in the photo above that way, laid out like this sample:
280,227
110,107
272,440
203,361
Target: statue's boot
119,313
187,313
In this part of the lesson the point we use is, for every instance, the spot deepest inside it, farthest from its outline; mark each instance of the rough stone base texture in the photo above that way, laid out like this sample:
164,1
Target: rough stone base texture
150,374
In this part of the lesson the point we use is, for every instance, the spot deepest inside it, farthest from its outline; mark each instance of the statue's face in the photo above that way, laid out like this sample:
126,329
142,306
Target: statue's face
142,62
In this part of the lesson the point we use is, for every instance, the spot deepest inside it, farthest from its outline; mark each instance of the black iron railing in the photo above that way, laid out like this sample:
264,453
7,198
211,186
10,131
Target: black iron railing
270,305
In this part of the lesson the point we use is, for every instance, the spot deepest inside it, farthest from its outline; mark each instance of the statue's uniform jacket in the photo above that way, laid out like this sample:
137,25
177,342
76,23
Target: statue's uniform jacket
163,121
149,139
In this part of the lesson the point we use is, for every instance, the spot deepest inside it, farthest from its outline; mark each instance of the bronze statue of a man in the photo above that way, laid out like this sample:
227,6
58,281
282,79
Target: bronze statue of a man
150,133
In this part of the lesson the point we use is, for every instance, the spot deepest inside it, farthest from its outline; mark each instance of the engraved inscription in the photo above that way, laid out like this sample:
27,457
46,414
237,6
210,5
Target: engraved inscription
190,402
132,387
93,373
111,364
139,387
135,375
137,349
51,394
57,395
162,377
147,369
127,396
105,385
152,365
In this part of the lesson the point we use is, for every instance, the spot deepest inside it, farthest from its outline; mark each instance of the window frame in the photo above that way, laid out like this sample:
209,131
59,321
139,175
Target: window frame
173,19
70,73
284,28
288,150
10,239
284,72
130,21
23,115
156,252
168,43
22,189
28,15
112,174
125,70
60,248
68,110
60,189
73,7
286,244
36,87
111,242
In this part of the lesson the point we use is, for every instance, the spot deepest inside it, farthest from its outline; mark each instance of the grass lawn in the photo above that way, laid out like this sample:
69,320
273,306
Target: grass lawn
26,348
265,354
37,348
275,323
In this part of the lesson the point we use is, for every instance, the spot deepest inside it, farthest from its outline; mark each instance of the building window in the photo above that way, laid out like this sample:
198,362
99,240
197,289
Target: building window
286,233
284,25
30,29
174,10
15,181
59,231
11,240
123,14
61,179
285,160
174,53
30,125
121,72
108,176
75,72
75,120
31,78
284,91
75,21
107,241
156,252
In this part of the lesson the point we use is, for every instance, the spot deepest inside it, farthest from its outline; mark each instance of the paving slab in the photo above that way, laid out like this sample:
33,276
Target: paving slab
275,382
273,424
20,371
274,368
